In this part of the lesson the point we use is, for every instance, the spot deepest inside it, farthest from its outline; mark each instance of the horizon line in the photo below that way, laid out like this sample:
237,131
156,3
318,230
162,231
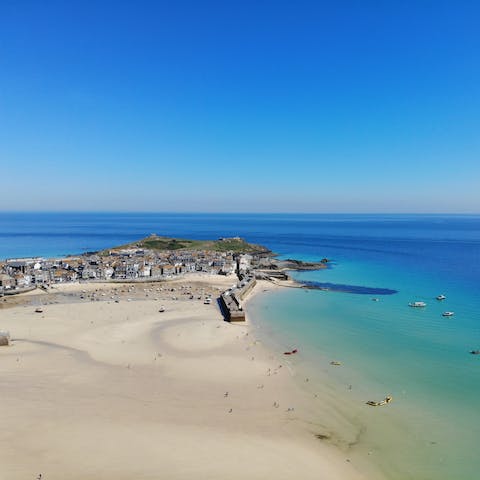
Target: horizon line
190,212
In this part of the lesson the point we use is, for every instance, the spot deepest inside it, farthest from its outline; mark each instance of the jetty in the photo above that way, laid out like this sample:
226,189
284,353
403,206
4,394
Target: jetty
231,299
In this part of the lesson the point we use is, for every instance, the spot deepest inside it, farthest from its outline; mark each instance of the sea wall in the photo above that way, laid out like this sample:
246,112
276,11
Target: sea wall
230,300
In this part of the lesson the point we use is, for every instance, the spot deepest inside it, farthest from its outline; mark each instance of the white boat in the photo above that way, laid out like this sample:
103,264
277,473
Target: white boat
448,314
417,304
441,297
207,301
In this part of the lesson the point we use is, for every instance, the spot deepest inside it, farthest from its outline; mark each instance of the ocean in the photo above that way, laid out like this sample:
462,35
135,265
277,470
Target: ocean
420,358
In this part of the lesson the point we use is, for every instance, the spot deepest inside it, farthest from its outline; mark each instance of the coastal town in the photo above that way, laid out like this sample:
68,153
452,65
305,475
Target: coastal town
144,261
156,259
133,263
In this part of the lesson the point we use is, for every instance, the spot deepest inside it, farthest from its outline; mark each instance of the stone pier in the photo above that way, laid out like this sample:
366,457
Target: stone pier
231,299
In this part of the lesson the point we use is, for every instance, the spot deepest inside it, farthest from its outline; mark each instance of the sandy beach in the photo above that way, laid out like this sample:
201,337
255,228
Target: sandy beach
104,385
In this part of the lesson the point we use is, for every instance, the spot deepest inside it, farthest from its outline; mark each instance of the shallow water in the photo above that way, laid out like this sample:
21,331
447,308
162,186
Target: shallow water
386,347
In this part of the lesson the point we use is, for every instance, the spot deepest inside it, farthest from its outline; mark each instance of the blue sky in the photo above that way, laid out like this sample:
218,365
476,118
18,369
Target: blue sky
261,106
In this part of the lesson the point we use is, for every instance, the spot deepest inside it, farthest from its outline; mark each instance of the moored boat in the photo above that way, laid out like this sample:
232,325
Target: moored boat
441,297
448,314
417,304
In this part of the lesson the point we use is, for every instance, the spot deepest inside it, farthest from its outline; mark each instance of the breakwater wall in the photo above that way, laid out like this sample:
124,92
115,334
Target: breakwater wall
231,299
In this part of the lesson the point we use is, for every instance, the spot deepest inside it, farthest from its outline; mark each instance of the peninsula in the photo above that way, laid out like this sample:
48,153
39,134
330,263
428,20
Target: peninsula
120,366
154,258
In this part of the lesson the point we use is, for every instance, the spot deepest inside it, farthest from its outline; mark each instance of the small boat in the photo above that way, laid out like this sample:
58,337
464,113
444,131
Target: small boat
375,299
475,352
417,304
448,314
335,362
441,297
207,301
162,309
291,352
373,403
38,310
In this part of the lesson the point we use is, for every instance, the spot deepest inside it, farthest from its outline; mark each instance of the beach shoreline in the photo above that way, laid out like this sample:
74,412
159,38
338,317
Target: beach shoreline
334,411
108,386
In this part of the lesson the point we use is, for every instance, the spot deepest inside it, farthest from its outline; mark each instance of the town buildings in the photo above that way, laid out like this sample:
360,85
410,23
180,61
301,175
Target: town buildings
127,264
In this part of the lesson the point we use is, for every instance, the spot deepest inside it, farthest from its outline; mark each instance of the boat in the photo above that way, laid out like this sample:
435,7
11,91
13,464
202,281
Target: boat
162,309
448,314
417,304
441,297
475,352
375,299
38,310
291,352
373,403
335,362
207,301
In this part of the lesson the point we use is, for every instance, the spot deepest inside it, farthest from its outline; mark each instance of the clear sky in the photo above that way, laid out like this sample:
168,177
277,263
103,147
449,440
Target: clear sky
253,106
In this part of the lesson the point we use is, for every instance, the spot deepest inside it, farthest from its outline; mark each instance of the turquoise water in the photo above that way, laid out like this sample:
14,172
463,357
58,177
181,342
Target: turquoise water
386,347
431,429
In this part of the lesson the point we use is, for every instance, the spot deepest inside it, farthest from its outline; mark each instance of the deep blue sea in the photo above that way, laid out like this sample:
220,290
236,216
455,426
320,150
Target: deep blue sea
432,427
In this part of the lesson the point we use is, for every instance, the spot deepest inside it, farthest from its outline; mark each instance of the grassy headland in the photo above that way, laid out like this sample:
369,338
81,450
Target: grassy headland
160,243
